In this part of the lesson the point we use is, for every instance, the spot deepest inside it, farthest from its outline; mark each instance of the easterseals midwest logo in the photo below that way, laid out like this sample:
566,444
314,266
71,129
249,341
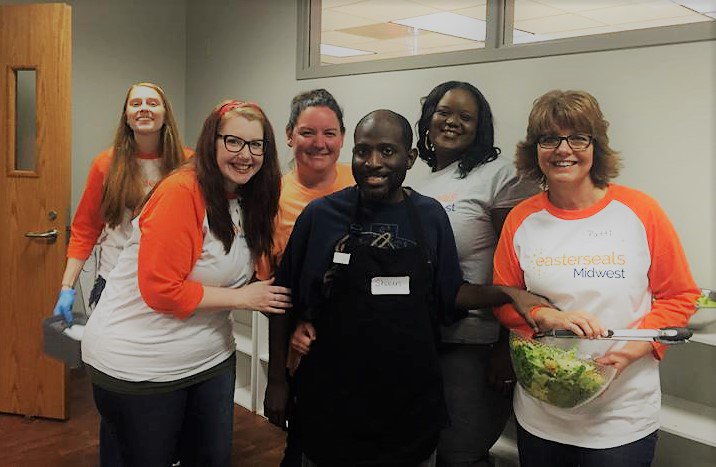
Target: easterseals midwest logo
448,201
608,265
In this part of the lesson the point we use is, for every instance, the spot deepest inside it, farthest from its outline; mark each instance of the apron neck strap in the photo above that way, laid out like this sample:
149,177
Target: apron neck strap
356,228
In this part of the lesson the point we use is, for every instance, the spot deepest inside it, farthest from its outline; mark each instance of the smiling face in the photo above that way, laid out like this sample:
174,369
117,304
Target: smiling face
380,158
145,110
238,168
563,166
316,140
453,125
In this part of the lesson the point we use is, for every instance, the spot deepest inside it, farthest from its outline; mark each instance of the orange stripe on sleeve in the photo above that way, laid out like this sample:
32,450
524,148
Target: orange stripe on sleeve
88,222
170,244
672,286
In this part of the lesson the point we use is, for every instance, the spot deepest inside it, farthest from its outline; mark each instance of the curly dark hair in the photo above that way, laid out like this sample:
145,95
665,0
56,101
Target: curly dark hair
575,110
481,151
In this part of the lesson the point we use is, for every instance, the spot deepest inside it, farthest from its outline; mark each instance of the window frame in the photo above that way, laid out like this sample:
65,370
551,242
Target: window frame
498,44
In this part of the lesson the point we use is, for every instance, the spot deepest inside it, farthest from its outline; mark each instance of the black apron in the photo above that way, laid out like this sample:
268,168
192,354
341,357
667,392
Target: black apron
370,390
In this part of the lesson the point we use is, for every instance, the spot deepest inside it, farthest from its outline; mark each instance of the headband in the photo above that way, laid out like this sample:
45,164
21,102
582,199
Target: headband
234,104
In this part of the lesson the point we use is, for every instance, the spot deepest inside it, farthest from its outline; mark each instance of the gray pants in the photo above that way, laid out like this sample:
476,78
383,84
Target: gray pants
429,462
478,414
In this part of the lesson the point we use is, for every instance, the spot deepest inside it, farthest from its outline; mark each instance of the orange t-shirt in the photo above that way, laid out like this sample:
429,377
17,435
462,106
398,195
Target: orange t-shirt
295,197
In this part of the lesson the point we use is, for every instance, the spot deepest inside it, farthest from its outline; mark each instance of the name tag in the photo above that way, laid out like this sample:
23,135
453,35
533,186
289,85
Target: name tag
341,258
390,285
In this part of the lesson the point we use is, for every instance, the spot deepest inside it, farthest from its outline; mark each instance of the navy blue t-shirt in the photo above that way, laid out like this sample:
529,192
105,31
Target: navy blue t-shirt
325,221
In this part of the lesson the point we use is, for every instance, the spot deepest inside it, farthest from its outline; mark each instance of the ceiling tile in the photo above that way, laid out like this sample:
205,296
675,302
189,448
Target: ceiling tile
414,45
380,31
384,11
432,39
453,48
702,6
451,5
573,6
334,3
528,9
450,23
655,23
637,12
332,20
565,22
337,51
340,38
392,45
584,32
479,12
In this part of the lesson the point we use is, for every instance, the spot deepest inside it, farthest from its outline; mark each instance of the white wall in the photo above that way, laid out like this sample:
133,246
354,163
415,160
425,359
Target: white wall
659,100
115,44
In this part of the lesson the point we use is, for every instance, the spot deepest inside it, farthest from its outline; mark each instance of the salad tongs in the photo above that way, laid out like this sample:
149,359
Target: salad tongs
663,335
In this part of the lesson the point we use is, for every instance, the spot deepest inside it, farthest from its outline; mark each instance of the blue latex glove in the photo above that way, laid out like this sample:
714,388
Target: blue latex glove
64,305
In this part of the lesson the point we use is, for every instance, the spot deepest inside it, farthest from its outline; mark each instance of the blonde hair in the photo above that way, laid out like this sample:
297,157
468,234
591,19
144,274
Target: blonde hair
575,110
123,188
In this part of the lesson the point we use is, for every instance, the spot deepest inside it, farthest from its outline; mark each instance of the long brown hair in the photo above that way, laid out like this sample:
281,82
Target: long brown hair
123,188
258,197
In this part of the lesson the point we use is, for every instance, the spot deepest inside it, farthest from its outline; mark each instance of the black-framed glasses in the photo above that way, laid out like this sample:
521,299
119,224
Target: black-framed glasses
578,142
235,144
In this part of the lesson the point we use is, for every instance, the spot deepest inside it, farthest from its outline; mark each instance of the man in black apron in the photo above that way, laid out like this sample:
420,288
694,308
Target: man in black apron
373,269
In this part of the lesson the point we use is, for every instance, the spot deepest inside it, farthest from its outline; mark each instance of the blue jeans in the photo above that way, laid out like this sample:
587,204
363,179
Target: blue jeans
537,452
192,424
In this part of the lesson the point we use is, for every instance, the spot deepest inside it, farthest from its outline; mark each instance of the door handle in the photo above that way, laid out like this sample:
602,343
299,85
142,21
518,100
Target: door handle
50,234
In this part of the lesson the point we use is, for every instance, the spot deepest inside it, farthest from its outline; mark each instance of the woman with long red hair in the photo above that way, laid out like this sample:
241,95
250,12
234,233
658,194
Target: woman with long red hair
147,146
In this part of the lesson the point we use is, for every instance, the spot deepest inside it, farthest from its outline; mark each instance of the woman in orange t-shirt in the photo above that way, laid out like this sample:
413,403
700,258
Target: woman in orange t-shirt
315,133
147,146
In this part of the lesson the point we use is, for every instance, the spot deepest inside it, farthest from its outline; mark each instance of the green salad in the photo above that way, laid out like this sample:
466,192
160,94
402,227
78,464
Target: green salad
554,375
705,302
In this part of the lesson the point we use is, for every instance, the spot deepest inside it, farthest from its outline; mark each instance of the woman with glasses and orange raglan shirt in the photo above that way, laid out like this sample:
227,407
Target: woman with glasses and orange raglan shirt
315,133
159,346
607,257
147,146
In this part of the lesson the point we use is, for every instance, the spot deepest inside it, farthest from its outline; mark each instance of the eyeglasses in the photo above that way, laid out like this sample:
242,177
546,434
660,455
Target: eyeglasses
235,144
578,142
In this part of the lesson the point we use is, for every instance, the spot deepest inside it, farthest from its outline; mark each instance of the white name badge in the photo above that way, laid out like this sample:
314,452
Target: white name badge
341,258
390,285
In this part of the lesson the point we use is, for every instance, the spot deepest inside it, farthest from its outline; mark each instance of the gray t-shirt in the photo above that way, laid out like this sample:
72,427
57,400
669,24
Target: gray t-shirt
468,203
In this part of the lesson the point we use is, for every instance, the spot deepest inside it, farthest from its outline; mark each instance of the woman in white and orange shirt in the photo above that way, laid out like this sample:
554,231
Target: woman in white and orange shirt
608,258
147,146
158,346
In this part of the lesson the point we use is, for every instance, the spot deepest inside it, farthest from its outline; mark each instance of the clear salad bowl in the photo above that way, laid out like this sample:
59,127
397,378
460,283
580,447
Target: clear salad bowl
560,372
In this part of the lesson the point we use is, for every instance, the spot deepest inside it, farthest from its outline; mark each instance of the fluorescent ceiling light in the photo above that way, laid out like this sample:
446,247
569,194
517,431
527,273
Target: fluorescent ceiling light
336,51
450,24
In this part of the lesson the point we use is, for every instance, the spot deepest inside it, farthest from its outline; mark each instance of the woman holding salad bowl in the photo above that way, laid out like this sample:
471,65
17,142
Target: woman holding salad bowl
607,257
